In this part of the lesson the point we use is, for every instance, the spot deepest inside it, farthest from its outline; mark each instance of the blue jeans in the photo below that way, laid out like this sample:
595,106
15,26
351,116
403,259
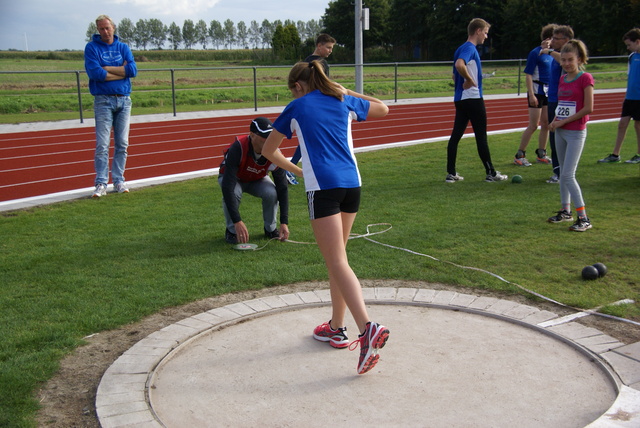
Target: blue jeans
263,189
111,112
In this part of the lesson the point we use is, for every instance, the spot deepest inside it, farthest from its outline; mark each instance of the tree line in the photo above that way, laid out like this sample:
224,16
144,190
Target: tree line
425,30
152,33
433,29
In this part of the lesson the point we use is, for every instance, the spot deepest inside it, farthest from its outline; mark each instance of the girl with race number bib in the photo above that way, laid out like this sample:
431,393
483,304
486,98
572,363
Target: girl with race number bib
575,103
321,116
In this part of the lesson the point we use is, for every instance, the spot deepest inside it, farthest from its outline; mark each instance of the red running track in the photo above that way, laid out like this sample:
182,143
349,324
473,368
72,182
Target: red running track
43,162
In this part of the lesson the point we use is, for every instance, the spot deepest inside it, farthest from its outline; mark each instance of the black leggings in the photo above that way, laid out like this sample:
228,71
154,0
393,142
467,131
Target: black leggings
470,110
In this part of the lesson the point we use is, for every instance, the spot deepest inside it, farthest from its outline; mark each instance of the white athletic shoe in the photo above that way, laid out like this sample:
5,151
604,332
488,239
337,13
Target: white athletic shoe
101,190
121,187
452,178
497,177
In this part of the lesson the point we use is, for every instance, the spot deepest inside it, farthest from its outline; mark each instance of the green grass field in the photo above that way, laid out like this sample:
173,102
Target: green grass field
81,267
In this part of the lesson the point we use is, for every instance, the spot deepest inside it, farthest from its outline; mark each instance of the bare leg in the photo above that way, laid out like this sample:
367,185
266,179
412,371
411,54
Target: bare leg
332,234
622,132
534,118
544,129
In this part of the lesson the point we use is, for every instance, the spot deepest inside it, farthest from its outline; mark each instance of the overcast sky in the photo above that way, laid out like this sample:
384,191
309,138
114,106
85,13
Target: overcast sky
62,24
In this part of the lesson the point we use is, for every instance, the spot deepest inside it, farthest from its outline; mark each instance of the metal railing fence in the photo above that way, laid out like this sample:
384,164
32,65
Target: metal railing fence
242,86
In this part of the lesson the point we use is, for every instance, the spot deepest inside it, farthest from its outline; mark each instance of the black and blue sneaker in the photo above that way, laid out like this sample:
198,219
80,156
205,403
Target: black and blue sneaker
562,215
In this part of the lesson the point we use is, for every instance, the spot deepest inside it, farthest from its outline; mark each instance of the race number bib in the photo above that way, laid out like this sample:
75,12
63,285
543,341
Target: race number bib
565,109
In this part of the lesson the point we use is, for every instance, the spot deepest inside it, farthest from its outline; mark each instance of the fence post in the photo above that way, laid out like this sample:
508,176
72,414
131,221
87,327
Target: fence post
395,78
255,88
79,96
173,92
519,74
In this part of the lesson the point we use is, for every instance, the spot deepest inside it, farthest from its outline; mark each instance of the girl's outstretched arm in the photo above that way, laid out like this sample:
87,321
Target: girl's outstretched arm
271,152
376,108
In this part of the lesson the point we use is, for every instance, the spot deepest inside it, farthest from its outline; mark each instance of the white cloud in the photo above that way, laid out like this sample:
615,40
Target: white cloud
171,7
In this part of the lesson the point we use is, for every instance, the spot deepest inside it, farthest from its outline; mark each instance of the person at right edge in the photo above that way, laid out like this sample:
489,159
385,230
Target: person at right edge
467,76
631,103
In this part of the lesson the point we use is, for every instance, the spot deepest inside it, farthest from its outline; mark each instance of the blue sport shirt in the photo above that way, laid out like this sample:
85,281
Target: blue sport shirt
539,68
467,52
633,80
323,126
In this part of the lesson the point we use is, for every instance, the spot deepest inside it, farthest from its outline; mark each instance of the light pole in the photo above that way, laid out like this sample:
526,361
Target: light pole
359,57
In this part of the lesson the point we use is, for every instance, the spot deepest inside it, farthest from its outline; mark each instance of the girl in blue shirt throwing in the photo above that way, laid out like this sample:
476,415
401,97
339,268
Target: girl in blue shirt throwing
321,116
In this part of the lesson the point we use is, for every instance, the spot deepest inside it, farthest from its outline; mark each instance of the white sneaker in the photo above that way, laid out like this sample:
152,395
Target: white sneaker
121,187
101,190
635,159
581,225
451,178
498,177
521,161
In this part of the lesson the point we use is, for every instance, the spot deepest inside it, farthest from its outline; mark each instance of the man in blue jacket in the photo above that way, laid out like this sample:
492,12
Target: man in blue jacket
110,65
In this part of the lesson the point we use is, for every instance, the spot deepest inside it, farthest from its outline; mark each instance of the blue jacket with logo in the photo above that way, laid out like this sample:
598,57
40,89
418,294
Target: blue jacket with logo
98,54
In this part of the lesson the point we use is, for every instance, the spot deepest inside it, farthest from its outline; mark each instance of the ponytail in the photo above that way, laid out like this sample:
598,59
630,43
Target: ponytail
312,73
579,49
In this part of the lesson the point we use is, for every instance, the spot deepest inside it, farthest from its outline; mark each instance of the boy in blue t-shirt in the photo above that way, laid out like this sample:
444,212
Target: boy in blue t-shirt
537,72
631,104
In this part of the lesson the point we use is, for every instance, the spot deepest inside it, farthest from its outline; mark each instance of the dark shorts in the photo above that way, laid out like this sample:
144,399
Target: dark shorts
325,203
542,101
631,108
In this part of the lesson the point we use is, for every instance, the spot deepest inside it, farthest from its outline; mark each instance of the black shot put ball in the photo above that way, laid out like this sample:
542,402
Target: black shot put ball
589,272
602,269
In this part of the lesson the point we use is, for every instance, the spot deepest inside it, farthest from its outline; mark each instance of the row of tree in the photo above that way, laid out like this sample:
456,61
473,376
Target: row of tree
432,29
407,29
152,33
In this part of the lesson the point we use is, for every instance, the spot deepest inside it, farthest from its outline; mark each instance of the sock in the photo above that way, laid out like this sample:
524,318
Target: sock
567,208
520,154
582,213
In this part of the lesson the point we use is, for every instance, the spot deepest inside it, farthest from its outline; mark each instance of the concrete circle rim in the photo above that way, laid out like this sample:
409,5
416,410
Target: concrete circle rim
241,314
